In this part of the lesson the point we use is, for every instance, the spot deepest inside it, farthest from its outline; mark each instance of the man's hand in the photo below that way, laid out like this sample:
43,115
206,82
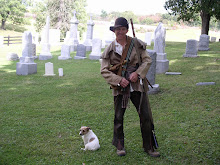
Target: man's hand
133,77
123,83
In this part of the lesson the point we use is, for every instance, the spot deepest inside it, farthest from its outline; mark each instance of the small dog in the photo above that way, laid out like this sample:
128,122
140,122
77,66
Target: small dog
90,140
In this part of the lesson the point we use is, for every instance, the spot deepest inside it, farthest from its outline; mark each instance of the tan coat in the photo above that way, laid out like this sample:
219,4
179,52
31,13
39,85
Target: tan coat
110,57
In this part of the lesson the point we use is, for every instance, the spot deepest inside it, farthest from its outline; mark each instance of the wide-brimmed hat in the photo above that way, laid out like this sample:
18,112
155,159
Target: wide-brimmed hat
119,22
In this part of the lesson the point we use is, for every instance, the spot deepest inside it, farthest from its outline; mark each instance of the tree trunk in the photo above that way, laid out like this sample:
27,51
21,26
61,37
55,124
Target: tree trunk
3,24
205,22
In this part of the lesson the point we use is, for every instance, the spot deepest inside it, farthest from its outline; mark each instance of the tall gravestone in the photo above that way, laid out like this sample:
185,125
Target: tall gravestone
89,35
81,52
96,49
204,42
159,47
45,52
191,48
26,65
109,35
73,40
151,75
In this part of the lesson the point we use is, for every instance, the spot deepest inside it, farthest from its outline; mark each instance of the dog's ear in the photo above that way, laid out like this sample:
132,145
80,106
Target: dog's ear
88,128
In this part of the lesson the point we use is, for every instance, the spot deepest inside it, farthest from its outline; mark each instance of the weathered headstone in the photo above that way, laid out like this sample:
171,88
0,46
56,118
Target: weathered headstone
159,47
89,35
148,38
96,49
49,71
65,52
60,71
45,52
173,73
213,39
81,52
73,40
204,42
151,75
191,48
205,83
26,65
12,56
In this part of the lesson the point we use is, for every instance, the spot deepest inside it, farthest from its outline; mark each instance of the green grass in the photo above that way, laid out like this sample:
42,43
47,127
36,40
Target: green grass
40,116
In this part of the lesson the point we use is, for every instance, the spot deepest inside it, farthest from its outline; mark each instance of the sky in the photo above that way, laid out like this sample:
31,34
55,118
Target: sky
138,7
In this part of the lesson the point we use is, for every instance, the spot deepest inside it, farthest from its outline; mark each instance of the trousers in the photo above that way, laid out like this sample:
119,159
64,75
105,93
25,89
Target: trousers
144,115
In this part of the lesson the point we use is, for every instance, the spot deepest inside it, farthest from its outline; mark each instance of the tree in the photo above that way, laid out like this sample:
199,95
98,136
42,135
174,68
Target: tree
189,10
60,12
12,10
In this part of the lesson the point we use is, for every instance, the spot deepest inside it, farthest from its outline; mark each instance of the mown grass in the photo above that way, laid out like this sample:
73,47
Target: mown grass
40,116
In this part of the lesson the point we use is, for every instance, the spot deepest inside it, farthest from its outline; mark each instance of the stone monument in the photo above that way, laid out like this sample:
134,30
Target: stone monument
12,56
73,40
81,52
96,49
191,48
45,52
159,47
49,71
65,52
152,73
26,65
204,42
89,35
213,39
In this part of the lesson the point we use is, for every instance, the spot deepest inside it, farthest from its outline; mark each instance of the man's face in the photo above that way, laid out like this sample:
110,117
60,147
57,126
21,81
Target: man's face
121,32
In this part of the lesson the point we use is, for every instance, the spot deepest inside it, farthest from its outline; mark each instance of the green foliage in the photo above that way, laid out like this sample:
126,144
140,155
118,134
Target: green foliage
60,12
188,10
12,10
103,14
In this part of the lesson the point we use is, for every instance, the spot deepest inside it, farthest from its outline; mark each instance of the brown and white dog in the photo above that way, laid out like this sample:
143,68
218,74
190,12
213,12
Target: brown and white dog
90,140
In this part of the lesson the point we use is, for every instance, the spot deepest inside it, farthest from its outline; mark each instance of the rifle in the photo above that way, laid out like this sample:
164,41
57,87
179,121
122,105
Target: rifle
154,140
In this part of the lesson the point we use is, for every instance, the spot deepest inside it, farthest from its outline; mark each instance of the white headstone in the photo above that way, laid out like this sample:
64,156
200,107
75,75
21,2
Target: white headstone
213,39
26,65
204,42
12,56
191,48
45,52
96,49
65,52
49,71
159,47
60,71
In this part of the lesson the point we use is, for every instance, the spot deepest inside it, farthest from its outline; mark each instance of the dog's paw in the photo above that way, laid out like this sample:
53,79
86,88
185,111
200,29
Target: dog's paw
83,149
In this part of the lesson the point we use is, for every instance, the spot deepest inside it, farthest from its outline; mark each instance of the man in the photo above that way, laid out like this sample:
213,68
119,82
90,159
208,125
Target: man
124,71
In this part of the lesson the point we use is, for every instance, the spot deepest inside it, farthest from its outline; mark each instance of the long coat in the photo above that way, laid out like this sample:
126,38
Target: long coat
110,57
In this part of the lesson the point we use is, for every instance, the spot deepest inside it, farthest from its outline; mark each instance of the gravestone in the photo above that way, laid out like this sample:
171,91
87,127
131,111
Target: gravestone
49,71
60,71
73,40
65,52
89,35
81,52
26,65
34,51
205,83
96,49
191,48
45,52
148,38
12,56
204,42
159,47
213,39
151,75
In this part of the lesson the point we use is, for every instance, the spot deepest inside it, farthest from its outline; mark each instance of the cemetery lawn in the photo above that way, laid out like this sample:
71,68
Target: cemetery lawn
40,116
